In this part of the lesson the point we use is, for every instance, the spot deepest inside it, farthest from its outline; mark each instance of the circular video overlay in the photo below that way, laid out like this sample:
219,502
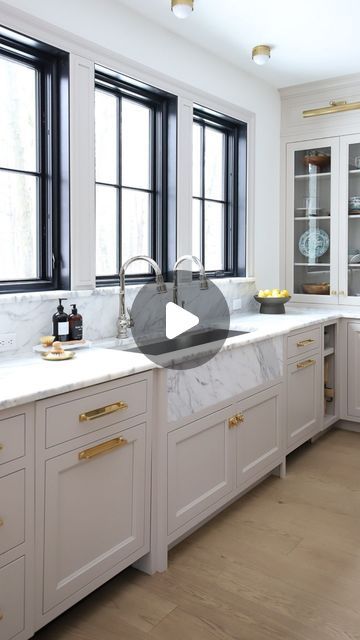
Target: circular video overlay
182,327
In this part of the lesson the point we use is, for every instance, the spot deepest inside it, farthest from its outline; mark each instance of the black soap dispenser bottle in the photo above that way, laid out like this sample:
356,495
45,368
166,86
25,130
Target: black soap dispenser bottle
75,324
61,323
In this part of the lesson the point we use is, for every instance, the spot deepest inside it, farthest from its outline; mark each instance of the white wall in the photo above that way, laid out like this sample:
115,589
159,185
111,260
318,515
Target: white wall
109,24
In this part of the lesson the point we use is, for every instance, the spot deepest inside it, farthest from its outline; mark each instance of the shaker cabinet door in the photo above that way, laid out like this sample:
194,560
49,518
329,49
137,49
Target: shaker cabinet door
353,373
259,435
304,400
95,505
201,469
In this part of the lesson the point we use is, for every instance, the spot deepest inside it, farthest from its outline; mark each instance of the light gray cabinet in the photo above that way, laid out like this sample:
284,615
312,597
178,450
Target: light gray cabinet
259,436
213,459
201,468
304,399
16,523
353,369
92,489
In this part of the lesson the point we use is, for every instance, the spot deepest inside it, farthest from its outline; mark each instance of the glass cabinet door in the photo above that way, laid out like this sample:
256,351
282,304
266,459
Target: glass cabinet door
351,203
312,250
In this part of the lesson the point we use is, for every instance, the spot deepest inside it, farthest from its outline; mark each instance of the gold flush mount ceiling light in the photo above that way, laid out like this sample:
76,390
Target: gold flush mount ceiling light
182,8
261,54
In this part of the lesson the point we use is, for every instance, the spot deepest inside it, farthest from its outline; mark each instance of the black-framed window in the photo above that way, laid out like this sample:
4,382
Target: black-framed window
135,176
219,193
34,208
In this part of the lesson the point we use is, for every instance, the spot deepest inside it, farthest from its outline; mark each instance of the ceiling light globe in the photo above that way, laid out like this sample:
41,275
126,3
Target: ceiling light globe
182,8
261,54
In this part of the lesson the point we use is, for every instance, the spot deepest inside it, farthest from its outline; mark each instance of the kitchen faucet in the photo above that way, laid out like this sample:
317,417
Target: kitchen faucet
125,321
202,275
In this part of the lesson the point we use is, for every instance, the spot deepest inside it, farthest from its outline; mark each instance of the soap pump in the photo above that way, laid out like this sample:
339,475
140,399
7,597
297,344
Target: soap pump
61,323
75,324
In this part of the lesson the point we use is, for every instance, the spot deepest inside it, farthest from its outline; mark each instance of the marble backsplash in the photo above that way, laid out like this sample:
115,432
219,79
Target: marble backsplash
29,316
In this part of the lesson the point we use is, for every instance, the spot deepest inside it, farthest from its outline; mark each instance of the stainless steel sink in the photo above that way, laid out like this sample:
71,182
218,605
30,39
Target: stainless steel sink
186,341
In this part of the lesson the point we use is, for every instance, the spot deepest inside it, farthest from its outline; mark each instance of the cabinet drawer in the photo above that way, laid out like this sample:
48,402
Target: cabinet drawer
74,417
12,438
300,343
12,510
12,600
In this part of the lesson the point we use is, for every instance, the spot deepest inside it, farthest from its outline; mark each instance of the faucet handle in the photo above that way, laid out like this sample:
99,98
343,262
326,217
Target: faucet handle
131,319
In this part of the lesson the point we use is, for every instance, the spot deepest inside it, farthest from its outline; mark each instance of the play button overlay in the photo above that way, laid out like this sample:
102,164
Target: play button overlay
182,328
178,320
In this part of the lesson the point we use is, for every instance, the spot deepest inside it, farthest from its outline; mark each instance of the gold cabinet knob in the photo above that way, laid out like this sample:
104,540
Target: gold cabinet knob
232,422
1,446
1,522
240,418
1,615
334,293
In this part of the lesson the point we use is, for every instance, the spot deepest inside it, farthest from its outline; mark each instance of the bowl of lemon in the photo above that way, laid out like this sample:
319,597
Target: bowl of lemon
272,300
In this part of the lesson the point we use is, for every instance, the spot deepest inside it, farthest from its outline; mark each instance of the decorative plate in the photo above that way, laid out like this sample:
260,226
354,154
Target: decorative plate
314,243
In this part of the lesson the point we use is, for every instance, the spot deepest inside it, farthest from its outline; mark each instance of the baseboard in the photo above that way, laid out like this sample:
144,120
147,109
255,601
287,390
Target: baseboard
346,425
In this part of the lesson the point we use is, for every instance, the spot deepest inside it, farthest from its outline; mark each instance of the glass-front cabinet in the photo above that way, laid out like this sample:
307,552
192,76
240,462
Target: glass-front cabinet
349,272
312,220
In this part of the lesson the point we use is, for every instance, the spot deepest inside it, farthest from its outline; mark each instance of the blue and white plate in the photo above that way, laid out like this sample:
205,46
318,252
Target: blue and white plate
314,243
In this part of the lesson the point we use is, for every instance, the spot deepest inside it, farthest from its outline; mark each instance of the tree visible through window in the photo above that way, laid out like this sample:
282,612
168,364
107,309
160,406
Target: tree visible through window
28,176
219,193
130,137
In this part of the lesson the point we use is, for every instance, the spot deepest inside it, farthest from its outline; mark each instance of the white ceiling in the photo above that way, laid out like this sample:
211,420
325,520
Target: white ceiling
311,39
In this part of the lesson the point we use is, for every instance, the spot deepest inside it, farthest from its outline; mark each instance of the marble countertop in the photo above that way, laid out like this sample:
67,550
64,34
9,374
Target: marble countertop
28,378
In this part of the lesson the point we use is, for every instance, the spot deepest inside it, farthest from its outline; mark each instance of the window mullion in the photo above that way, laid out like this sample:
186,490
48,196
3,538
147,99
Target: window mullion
120,189
154,169
202,231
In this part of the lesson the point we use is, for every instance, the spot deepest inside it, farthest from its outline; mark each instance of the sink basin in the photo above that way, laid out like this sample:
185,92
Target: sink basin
186,341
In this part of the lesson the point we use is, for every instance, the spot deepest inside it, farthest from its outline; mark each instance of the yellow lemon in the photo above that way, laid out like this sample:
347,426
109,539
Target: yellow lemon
284,293
261,294
275,292
267,293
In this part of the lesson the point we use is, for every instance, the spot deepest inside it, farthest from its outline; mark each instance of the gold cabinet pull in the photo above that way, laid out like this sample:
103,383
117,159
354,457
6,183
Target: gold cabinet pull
306,363
1,615
235,420
1,522
104,447
103,411
304,343
2,446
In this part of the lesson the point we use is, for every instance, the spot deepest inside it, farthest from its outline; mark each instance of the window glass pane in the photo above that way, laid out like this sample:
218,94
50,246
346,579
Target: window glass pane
106,137
214,236
196,230
135,122
136,223
19,226
18,124
214,163
107,237
197,160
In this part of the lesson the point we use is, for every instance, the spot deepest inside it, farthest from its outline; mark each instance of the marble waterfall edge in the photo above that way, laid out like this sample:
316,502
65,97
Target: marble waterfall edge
229,373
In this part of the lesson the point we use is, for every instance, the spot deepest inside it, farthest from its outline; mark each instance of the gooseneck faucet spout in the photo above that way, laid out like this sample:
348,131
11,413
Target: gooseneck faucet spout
202,274
125,320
